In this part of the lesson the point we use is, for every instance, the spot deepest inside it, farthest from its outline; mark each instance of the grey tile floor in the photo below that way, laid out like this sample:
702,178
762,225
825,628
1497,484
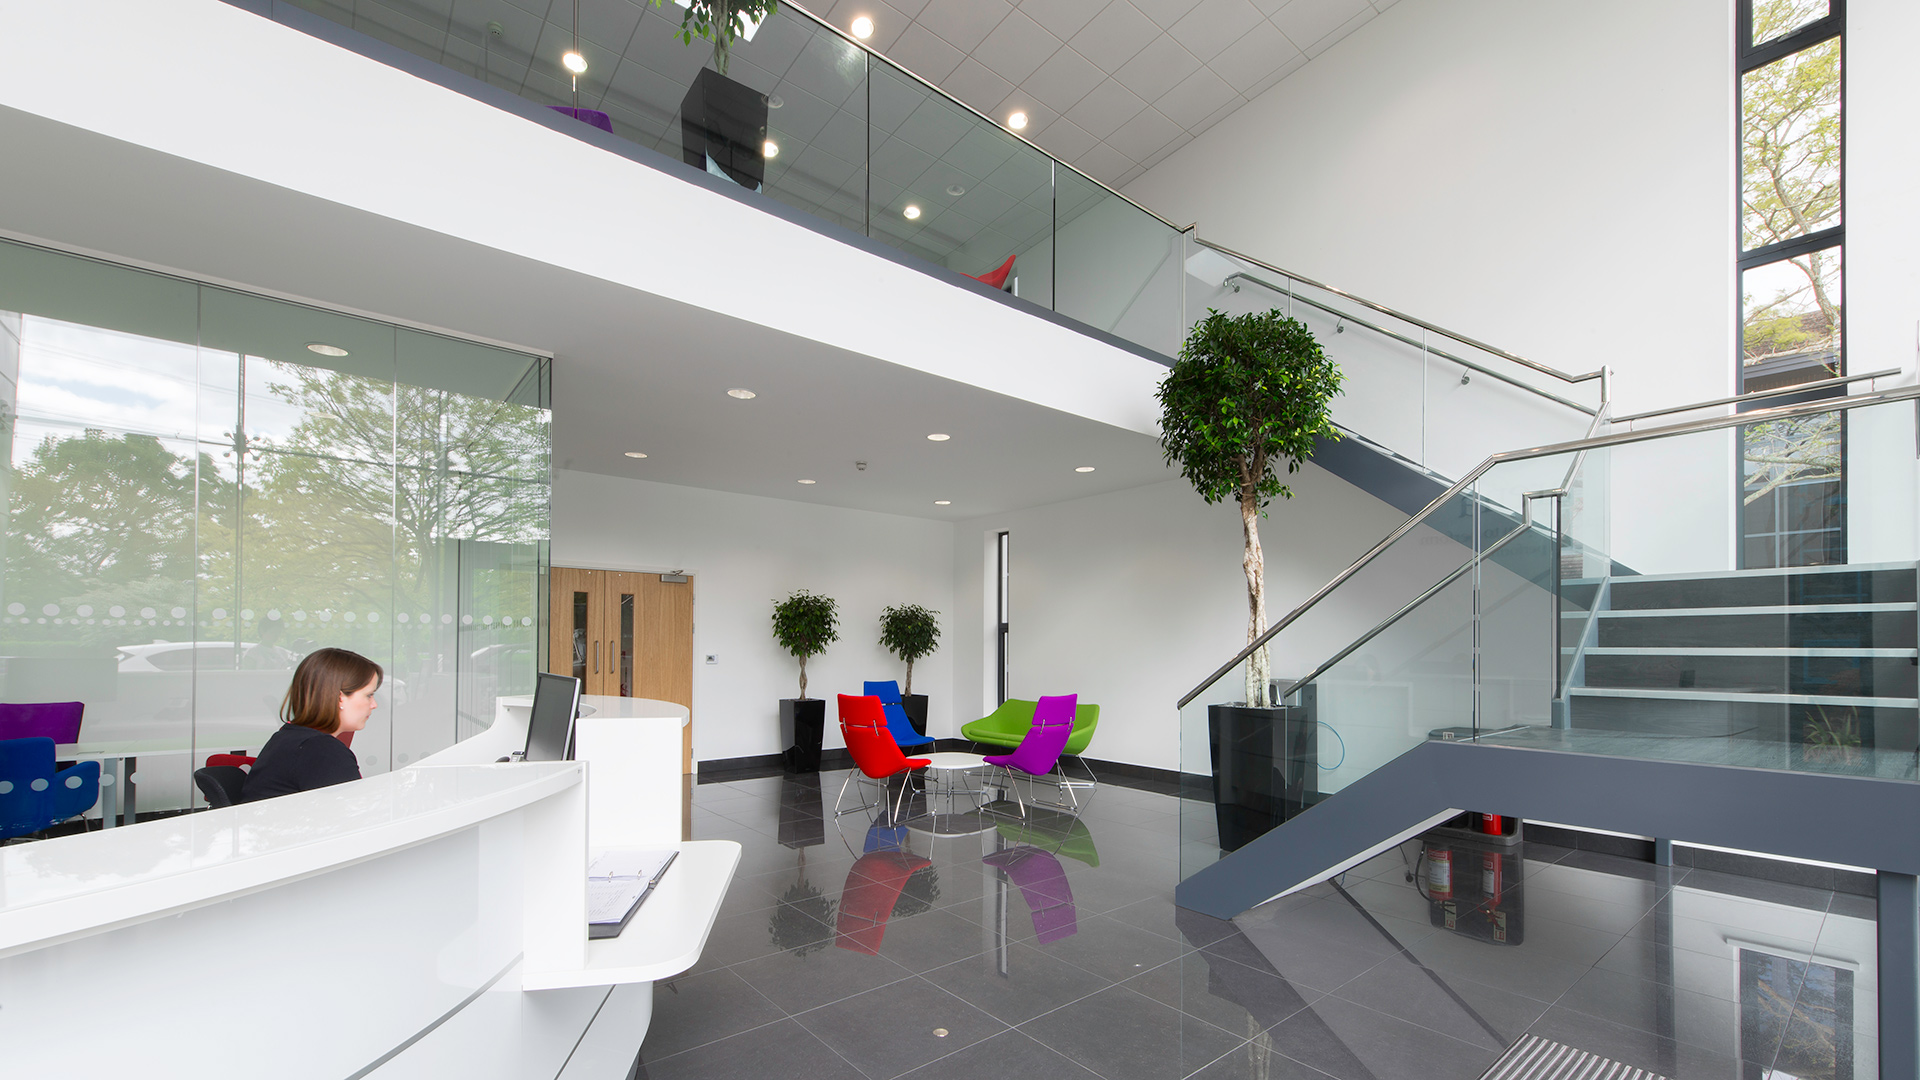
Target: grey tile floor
976,945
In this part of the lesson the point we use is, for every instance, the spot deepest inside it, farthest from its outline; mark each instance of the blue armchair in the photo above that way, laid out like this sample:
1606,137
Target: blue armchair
34,794
889,694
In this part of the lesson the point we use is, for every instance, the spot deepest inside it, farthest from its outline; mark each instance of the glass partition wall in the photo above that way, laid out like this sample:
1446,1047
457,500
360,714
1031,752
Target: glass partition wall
205,485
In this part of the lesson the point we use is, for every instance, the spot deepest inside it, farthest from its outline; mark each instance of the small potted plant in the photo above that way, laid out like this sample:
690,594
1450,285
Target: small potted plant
1246,400
911,632
804,624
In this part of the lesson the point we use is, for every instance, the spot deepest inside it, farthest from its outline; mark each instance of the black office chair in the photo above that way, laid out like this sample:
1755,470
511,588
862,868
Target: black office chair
220,784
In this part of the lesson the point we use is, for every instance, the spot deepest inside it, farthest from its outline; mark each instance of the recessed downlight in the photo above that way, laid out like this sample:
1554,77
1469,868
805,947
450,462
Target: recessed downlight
809,481
943,502
574,62
938,437
1084,468
770,148
635,454
325,349
742,393
956,190
1017,120
775,101
912,212
862,27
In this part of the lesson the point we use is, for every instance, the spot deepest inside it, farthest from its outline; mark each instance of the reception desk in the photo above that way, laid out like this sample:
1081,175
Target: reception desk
426,922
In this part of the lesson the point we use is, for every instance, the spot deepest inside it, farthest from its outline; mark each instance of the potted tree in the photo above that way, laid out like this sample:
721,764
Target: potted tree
911,632
723,123
804,624
1248,395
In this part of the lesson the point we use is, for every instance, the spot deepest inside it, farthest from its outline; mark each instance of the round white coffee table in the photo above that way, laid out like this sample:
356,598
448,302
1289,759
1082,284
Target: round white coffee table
946,769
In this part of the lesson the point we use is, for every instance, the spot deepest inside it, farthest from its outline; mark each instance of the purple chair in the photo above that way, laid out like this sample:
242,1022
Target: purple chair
1039,751
56,720
587,116
1043,884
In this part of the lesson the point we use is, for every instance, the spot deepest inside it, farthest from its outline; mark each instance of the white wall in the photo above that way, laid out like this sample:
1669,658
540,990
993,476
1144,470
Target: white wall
1555,179
744,553
1131,598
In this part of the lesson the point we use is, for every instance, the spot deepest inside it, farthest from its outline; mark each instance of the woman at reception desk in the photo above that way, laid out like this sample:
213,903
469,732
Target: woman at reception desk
450,935
332,693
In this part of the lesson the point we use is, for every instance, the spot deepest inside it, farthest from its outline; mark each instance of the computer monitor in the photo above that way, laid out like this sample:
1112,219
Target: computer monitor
556,702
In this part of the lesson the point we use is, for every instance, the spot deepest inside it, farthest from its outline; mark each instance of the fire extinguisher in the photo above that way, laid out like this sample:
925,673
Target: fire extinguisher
1439,874
1491,885
1492,825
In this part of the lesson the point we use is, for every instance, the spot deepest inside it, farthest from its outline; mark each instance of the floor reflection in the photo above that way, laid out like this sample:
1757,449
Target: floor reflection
1050,945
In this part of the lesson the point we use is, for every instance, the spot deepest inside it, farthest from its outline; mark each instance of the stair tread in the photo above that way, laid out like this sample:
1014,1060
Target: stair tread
1738,650
1754,609
1723,694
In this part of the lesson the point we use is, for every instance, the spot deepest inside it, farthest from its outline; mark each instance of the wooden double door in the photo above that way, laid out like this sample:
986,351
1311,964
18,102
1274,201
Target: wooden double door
625,634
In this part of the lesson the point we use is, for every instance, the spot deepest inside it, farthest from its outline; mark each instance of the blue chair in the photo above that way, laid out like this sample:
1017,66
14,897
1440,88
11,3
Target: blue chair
897,723
34,794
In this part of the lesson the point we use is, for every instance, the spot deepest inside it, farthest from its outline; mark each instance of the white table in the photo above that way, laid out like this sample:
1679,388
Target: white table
120,760
944,770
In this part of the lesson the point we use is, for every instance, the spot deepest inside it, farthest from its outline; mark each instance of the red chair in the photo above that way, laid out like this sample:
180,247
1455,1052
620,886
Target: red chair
863,724
214,761
996,278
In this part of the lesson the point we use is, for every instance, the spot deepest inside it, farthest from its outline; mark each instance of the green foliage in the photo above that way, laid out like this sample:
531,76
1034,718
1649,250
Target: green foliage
1249,392
805,624
802,922
718,21
910,632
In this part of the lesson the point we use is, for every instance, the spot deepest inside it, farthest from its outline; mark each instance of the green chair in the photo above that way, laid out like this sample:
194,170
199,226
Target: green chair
1008,724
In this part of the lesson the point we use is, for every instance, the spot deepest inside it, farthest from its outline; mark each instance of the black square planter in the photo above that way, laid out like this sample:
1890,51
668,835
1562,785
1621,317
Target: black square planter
915,706
727,121
803,722
1265,766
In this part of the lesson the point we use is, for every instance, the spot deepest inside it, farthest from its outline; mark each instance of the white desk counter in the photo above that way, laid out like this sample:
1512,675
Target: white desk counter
419,905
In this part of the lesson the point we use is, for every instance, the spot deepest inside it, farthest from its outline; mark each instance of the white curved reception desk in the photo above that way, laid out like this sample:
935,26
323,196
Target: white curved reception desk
428,922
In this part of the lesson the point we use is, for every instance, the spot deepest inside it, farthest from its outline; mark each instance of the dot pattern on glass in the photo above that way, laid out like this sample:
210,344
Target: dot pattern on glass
73,783
486,620
219,613
39,783
178,613
16,609
348,615
246,614
54,609
116,611
148,613
326,616
373,616
401,617
445,619
466,620
273,614
6,787
83,610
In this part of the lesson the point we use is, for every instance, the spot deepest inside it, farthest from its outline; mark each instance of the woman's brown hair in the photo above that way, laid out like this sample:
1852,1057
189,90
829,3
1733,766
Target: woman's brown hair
313,699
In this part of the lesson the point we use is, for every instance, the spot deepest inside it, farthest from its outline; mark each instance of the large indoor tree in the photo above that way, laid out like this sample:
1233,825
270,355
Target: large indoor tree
1248,397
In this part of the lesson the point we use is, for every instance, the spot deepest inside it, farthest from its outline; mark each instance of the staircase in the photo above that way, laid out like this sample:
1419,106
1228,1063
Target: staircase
1808,664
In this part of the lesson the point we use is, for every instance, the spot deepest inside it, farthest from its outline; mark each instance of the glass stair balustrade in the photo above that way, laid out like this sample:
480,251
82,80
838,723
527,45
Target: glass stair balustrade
1590,598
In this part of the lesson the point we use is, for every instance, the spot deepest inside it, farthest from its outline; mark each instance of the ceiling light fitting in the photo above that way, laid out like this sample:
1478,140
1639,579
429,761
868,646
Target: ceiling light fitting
742,393
912,212
809,481
771,149
937,437
635,454
574,62
956,190
775,101
943,502
862,27
1084,468
325,349
1017,121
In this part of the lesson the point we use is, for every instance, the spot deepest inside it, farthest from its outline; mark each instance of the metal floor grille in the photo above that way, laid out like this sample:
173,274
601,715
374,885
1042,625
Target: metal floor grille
1535,1058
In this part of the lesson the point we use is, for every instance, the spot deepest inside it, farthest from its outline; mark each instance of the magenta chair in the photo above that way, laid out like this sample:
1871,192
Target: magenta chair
1040,750
56,720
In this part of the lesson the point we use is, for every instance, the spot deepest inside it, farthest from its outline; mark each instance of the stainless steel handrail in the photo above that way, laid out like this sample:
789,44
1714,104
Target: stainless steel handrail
1711,423
1599,373
1796,388
1421,345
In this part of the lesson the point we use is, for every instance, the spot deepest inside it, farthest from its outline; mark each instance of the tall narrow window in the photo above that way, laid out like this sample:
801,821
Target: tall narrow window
1792,308
1000,634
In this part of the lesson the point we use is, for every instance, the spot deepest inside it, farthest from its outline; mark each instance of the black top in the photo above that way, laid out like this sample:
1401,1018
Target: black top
298,759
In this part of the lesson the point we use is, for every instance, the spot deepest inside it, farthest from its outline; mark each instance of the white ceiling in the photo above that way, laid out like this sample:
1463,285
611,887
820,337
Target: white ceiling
1110,86
635,371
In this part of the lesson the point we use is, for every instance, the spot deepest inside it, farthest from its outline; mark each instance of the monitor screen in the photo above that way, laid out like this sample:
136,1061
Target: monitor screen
556,701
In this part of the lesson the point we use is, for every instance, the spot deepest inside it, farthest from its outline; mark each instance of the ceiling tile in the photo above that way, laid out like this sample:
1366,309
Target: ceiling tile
1196,98
1115,35
910,8
1158,68
1105,164
1065,140
1164,13
1382,5
888,21
1339,32
1063,80
1063,18
1129,176
1218,115
1254,57
1307,21
1168,150
964,23
1104,109
972,83
925,53
1038,114
1142,137
1214,25
1016,48
1273,77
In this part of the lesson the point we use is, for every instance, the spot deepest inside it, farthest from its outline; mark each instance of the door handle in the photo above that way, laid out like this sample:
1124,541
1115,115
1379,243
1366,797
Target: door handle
596,658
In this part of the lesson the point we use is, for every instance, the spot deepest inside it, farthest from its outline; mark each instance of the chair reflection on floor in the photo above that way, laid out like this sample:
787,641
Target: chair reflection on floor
1042,882
873,889
1056,831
